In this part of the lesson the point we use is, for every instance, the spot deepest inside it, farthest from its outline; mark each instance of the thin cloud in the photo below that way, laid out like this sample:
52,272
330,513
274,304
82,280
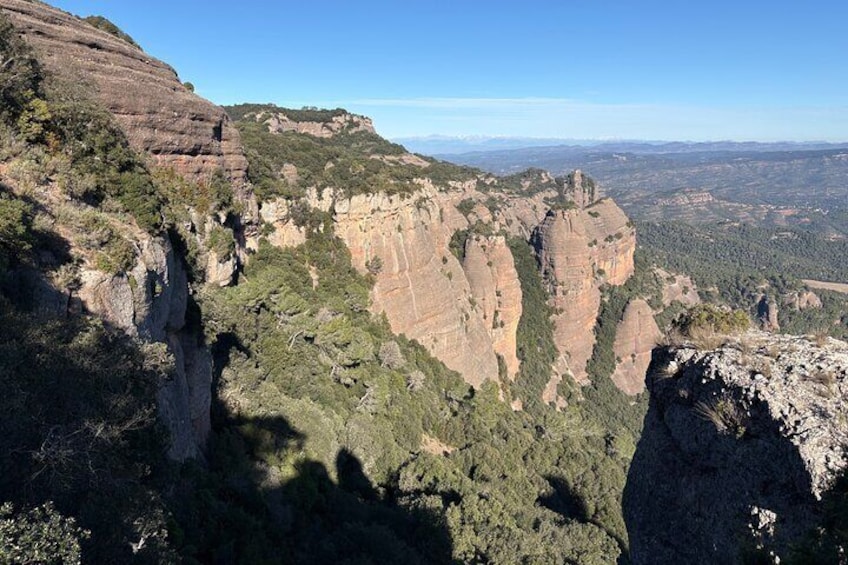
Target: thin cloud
465,103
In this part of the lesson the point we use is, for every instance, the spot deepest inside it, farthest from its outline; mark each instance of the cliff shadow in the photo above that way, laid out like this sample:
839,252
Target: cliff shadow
702,491
261,500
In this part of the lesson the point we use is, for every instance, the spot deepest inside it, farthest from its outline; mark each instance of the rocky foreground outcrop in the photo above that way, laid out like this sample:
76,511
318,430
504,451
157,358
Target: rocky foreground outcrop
739,447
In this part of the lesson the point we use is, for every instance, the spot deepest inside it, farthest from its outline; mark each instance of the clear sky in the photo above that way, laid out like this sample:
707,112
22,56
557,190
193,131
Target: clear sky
590,69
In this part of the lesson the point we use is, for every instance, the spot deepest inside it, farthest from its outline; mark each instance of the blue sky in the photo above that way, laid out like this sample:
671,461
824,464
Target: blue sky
674,70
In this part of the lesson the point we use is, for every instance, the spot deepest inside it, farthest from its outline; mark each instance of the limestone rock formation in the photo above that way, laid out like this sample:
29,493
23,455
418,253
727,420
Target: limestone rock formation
739,447
579,250
150,302
158,114
279,122
635,338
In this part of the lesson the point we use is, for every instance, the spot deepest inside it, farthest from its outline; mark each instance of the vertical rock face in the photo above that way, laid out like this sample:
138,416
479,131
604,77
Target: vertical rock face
150,302
157,113
420,285
635,338
279,122
490,269
767,314
739,449
578,250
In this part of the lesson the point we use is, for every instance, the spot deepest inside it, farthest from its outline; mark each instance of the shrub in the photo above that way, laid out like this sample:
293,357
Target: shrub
40,535
713,319
725,414
103,24
220,240
20,73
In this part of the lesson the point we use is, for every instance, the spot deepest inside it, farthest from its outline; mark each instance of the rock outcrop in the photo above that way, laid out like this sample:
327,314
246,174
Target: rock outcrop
150,302
579,250
490,270
739,446
635,338
767,314
279,122
159,115
678,288
420,285
802,300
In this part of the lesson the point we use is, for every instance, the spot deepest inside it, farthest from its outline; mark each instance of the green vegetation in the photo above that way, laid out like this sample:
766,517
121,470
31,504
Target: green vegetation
79,434
20,73
239,112
355,163
102,23
711,318
733,264
40,535
535,335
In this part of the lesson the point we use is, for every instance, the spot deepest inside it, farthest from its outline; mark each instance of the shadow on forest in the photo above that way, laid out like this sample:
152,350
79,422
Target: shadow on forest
241,510
564,501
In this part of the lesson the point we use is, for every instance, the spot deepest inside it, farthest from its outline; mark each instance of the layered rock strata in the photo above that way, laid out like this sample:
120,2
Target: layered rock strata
159,115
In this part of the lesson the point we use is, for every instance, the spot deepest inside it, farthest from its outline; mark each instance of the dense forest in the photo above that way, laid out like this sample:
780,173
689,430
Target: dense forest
738,264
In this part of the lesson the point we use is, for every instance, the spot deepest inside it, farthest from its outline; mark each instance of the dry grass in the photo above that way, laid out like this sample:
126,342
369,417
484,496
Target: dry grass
706,338
827,380
724,414
819,337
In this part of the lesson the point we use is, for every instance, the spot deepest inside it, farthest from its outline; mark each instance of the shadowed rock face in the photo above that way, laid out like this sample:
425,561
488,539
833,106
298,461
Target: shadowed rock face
157,113
738,448
579,250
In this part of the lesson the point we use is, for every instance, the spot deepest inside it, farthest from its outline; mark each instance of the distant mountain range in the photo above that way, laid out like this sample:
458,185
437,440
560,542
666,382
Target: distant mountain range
449,145
716,180
440,145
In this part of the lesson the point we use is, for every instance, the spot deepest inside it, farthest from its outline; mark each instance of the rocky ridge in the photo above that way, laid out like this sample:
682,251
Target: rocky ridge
739,447
279,122
159,115
465,309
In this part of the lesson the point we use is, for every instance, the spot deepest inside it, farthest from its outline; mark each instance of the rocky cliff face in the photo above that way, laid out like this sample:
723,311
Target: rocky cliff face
147,294
579,250
635,338
419,284
739,446
279,122
461,298
158,114
496,290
